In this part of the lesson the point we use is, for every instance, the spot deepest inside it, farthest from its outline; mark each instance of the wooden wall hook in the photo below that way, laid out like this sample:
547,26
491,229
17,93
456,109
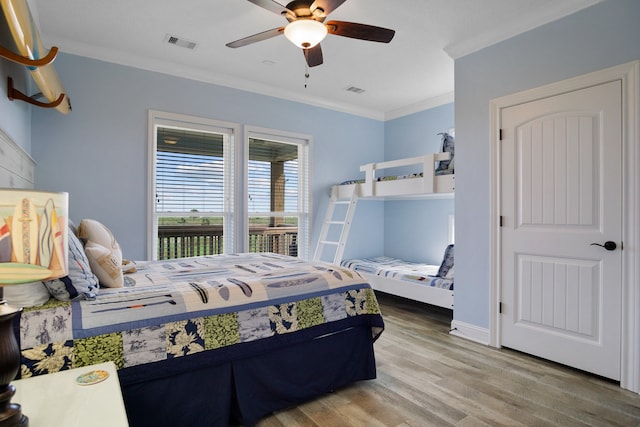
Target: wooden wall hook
13,93
45,60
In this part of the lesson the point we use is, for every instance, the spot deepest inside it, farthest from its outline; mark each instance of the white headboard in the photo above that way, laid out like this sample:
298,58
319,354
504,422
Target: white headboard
16,166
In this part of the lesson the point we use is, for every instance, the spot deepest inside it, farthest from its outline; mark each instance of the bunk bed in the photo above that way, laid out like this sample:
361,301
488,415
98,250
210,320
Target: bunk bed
421,177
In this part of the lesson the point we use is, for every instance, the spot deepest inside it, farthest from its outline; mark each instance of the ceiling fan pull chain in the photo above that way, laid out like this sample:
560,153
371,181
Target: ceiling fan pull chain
306,74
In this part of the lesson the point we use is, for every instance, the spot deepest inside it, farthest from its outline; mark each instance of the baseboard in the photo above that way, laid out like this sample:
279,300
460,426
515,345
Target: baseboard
470,332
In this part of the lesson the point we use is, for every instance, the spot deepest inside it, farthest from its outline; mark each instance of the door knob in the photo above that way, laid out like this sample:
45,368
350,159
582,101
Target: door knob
610,246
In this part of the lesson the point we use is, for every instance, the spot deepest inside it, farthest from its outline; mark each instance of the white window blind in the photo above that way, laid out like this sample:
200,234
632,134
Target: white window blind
273,177
190,172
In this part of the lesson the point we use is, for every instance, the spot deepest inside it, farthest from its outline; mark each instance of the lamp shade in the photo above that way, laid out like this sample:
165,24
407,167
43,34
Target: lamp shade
305,33
33,235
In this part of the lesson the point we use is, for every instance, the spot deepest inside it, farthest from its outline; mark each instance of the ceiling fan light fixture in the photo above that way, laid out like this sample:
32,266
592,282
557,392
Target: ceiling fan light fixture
305,33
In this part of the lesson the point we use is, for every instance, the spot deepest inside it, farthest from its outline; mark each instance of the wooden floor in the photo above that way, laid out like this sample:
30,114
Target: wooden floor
427,377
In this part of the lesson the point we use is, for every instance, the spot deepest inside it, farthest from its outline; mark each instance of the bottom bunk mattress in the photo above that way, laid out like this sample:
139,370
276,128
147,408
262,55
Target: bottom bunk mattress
201,341
393,268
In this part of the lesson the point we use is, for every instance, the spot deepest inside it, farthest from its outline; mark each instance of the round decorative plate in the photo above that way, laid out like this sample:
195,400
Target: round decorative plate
92,377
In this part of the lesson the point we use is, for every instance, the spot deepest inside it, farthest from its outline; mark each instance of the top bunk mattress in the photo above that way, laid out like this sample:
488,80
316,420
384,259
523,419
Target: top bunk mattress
401,270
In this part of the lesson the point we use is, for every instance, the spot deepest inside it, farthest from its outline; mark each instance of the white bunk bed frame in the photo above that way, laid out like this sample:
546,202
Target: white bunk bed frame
429,185
413,291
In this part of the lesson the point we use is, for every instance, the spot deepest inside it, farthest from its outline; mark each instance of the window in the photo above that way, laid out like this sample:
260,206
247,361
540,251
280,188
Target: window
207,195
193,186
277,192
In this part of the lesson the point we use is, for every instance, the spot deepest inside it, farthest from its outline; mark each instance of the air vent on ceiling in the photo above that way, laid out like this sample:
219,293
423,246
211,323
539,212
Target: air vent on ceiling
180,42
354,89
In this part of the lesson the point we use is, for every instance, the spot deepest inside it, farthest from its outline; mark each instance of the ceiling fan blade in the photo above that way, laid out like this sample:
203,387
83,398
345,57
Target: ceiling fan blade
360,31
327,6
271,5
257,37
313,56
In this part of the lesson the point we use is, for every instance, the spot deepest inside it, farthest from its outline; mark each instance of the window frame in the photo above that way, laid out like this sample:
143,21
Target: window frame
231,207
304,143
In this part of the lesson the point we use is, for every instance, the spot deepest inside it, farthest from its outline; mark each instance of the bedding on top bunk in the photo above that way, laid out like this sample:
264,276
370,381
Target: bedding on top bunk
394,177
182,307
384,178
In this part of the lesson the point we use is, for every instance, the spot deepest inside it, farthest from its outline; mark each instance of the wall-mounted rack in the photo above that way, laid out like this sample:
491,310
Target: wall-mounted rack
45,60
31,53
13,93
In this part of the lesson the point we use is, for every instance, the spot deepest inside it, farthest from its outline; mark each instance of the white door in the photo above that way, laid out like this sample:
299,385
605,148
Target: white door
561,191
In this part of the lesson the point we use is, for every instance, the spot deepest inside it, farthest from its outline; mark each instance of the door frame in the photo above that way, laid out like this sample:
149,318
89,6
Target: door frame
629,74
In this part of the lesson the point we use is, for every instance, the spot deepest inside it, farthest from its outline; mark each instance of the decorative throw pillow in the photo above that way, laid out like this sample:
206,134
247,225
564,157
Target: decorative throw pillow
103,251
80,281
90,229
26,295
106,263
447,262
446,167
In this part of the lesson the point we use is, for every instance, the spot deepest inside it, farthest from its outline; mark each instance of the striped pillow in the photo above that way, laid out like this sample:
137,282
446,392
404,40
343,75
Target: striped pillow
80,283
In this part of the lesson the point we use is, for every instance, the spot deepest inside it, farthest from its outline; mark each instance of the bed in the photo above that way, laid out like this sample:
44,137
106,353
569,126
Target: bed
209,341
431,284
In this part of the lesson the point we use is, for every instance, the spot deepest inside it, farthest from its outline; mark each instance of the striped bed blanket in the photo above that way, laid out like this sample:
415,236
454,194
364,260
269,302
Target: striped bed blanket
401,270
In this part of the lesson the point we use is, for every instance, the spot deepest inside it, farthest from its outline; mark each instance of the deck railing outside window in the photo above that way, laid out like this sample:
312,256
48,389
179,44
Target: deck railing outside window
180,241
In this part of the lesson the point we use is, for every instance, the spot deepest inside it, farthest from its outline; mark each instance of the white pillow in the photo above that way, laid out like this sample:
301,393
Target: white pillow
90,229
26,295
106,264
103,252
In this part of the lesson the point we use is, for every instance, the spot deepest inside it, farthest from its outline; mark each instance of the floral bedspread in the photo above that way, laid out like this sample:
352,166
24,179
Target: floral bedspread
176,308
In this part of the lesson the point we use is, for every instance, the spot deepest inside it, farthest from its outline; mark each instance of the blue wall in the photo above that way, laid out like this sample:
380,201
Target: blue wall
98,153
417,230
417,134
15,116
598,37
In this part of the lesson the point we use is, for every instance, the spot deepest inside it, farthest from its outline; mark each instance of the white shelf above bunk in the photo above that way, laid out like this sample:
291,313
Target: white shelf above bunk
428,185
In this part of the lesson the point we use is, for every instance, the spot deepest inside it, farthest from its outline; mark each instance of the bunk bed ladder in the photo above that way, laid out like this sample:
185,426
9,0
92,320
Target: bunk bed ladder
336,223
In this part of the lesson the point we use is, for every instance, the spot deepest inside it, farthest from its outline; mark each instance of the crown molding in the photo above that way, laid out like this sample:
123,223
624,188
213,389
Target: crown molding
436,101
525,23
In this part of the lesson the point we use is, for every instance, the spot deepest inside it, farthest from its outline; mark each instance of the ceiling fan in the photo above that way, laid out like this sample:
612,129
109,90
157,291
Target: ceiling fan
306,28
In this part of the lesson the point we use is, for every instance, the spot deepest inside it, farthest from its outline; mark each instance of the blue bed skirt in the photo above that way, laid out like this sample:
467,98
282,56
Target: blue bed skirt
220,390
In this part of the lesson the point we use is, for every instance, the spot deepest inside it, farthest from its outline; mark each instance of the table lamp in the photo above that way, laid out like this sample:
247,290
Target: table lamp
33,247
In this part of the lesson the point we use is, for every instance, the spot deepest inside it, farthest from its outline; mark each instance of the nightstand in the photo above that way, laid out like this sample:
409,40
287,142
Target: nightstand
54,400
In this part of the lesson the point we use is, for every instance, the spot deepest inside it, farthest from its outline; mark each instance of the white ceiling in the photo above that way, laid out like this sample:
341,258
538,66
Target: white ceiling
413,72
